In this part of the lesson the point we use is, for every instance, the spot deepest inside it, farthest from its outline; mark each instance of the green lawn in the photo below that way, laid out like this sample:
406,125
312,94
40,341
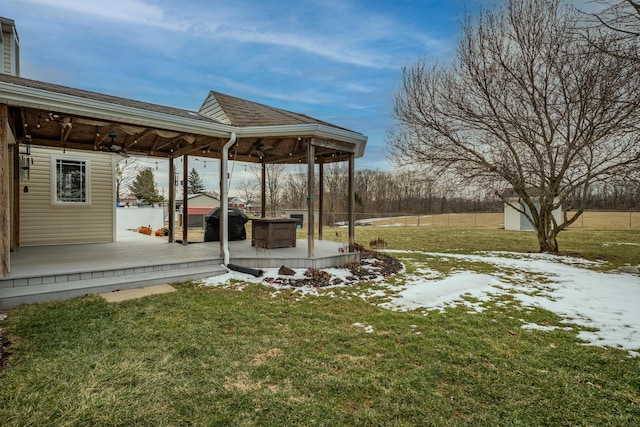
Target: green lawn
591,244
216,356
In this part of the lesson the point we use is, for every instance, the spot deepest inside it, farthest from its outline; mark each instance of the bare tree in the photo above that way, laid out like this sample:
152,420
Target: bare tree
527,104
295,193
249,190
336,176
620,16
275,175
620,19
366,189
126,172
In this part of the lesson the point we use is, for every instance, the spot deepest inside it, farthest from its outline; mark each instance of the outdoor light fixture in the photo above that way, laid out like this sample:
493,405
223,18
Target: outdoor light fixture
112,145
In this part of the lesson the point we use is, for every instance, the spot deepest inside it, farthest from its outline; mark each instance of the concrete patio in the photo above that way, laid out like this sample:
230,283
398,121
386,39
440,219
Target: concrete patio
45,273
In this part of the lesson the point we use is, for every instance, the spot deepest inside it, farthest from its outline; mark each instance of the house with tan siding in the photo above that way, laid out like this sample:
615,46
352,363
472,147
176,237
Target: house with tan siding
58,150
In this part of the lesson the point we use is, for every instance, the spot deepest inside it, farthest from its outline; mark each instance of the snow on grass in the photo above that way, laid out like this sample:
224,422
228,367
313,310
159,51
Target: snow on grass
605,305
446,292
368,328
606,302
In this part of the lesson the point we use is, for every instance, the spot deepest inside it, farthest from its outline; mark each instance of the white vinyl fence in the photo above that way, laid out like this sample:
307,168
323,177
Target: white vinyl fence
133,218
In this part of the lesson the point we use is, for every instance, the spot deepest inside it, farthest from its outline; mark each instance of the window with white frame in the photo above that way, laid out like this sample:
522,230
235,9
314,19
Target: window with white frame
70,181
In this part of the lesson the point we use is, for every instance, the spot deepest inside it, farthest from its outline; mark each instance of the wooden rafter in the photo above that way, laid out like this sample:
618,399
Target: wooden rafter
170,143
65,129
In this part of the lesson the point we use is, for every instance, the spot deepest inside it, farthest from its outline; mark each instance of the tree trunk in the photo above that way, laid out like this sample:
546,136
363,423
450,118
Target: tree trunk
547,238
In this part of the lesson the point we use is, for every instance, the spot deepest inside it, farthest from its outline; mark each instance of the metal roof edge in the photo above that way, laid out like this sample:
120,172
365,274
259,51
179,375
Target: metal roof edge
24,96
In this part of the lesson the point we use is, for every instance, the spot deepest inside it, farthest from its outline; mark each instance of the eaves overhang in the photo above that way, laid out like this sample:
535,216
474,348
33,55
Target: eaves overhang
316,130
17,95
22,96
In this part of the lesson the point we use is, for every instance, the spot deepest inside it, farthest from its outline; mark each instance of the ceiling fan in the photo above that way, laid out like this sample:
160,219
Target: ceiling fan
259,148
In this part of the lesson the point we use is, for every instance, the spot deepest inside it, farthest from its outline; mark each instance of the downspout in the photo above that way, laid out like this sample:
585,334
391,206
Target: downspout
224,199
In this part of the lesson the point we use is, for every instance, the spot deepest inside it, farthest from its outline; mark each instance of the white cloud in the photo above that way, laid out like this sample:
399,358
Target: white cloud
131,11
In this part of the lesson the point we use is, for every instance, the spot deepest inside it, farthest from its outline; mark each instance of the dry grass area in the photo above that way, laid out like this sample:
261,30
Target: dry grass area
617,220
461,219
590,219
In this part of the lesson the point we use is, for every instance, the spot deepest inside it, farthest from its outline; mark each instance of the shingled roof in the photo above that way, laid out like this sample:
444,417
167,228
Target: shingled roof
74,118
241,112
95,96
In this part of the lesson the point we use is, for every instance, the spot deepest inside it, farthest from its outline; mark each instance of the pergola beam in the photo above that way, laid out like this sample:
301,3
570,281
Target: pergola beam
333,145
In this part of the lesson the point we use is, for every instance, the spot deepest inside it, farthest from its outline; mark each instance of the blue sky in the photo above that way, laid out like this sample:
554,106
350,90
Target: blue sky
335,60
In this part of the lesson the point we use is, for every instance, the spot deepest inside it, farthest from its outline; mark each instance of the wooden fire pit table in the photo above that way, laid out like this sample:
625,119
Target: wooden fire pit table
270,233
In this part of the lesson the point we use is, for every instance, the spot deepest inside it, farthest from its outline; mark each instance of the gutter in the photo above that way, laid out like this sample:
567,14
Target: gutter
24,96
224,198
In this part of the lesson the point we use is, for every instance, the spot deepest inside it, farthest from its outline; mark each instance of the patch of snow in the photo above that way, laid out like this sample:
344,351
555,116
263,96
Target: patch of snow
536,327
620,244
368,329
440,294
607,303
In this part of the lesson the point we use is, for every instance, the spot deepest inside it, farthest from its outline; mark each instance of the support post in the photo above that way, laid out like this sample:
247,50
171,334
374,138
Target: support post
5,211
320,198
172,200
351,203
15,228
185,207
310,197
263,192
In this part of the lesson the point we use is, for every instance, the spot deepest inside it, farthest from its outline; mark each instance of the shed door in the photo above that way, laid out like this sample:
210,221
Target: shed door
524,221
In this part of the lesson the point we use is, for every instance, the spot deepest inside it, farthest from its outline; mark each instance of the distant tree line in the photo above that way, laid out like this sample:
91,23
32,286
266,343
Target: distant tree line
412,192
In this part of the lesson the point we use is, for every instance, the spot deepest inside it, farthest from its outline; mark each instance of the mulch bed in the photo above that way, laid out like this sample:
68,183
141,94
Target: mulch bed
373,265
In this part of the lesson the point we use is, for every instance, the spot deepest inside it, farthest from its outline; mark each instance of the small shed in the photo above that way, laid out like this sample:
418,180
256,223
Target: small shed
515,220
198,206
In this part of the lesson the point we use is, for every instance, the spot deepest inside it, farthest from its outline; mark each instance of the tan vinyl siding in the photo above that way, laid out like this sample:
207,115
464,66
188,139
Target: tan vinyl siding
9,48
6,46
6,57
5,50
41,223
212,109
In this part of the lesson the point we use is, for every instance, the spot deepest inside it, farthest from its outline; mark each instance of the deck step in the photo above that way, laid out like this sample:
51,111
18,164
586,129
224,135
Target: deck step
17,295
